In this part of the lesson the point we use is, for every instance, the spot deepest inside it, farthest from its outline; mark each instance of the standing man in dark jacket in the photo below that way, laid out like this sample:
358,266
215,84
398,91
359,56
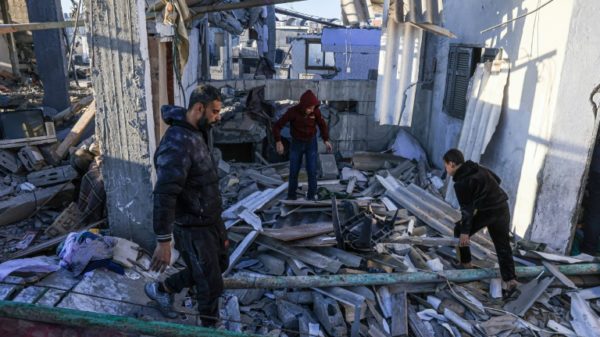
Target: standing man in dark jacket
187,206
482,203
303,118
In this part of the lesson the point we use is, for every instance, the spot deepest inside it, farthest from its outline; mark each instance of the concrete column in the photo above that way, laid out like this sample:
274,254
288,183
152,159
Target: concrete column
124,117
50,53
272,33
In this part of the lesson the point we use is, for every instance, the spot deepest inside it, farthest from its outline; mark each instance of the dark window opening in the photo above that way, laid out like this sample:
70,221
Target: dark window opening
462,61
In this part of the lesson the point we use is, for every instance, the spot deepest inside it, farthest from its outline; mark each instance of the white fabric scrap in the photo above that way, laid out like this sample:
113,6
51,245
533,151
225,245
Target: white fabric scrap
38,264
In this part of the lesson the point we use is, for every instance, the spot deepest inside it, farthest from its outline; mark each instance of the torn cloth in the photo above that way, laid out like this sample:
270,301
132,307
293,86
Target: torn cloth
79,249
179,19
36,264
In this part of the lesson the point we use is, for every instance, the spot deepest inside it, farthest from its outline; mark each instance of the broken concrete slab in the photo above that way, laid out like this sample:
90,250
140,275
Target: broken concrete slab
9,162
328,164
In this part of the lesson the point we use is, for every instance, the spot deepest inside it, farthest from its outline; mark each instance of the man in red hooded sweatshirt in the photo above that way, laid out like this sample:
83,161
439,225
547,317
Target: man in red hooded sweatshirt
303,118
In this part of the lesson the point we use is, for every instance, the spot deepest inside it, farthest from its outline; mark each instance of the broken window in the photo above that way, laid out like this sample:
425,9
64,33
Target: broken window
316,58
462,60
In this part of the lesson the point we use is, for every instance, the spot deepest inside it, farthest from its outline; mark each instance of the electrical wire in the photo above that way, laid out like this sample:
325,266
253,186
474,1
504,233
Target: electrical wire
517,18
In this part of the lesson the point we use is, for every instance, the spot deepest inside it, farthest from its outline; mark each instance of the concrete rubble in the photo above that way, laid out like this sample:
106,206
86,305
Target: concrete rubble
391,222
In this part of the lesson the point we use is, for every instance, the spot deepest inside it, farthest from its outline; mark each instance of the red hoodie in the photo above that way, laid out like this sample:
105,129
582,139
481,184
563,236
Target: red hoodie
303,127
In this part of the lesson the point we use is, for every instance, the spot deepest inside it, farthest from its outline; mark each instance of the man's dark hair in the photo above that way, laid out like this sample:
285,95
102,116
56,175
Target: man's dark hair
454,156
204,94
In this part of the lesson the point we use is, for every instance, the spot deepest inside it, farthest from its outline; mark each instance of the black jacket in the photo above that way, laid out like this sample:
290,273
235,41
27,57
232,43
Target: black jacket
477,189
187,185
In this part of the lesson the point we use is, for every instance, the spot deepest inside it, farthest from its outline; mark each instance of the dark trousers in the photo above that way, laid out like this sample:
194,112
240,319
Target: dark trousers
309,151
591,229
202,251
498,223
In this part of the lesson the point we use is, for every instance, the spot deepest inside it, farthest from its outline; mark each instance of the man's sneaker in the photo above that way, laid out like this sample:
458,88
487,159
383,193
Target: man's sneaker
164,300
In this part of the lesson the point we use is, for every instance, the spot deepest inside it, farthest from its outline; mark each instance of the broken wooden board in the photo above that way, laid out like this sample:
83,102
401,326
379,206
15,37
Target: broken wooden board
18,143
24,204
66,222
304,231
52,176
76,132
399,315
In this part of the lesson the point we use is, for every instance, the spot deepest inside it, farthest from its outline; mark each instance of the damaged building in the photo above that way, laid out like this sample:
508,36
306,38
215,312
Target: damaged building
511,84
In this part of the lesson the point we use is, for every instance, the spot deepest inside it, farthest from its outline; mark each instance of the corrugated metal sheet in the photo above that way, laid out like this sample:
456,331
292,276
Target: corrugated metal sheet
484,105
398,73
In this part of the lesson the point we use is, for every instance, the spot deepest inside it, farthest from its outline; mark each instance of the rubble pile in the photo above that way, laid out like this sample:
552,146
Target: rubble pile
40,175
383,216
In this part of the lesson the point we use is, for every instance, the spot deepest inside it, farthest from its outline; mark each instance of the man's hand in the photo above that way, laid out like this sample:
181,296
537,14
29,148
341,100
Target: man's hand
279,147
328,146
161,257
464,240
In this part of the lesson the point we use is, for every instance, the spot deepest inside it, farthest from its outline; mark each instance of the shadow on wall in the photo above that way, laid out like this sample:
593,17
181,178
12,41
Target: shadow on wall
129,200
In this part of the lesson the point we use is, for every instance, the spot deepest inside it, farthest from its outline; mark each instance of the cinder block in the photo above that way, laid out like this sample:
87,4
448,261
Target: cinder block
329,169
9,162
52,176
32,158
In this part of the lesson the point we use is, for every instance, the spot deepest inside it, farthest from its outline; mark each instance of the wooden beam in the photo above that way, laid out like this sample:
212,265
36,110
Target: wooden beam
76,132
22,27
70,111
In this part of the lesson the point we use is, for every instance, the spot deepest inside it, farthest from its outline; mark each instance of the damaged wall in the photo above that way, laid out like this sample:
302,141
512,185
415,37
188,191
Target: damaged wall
124,120
536,147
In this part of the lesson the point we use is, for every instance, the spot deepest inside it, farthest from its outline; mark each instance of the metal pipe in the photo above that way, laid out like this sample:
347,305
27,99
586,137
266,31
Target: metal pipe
93,320
306,17
347,280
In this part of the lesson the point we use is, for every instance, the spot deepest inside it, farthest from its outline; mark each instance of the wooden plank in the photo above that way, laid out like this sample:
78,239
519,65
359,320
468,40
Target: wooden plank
13,143
292,233
76,132
428,242
75,108
21,27
399,314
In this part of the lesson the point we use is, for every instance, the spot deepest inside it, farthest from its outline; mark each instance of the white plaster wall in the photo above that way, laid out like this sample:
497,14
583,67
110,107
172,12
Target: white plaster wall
535,47
573,130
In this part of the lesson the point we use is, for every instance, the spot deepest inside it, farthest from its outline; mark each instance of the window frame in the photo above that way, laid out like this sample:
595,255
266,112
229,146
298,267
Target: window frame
308,42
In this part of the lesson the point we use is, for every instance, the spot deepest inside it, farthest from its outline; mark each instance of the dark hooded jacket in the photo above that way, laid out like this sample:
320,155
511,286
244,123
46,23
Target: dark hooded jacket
477,190
303,127
187,185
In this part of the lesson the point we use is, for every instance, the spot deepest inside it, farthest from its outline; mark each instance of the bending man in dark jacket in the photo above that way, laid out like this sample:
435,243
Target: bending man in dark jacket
187,206
303,118
482,203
